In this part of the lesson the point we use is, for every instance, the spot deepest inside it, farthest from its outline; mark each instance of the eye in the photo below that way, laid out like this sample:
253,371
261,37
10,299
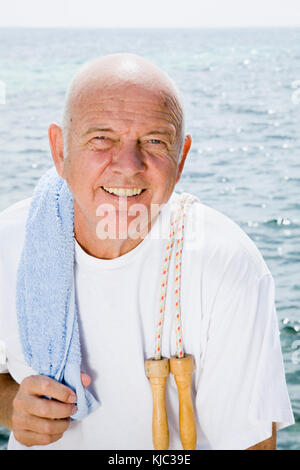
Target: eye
100,142
155,141
154,145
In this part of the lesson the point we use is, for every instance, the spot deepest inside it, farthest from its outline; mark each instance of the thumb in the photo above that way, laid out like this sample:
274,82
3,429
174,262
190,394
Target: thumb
85,379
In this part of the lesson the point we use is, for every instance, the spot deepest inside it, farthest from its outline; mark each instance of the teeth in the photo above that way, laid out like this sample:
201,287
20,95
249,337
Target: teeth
123,191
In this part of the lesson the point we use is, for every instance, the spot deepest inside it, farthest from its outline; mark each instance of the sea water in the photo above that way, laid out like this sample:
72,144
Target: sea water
241,89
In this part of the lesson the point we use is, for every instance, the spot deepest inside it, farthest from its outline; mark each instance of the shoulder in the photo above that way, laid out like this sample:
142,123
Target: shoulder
15,211
230,238
12,227
221,242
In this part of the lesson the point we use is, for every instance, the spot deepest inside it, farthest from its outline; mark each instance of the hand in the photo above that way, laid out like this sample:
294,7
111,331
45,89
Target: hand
37,420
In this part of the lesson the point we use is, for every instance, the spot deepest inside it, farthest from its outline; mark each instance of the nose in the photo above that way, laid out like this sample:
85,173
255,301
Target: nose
128,160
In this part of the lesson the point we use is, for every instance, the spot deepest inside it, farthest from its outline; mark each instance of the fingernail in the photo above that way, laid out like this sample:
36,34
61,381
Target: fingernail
74,409
72,398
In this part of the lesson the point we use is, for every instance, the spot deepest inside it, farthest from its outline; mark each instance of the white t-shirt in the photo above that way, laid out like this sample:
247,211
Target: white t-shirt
229,325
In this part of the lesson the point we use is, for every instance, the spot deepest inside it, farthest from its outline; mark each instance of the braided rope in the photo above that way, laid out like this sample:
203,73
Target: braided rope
176,231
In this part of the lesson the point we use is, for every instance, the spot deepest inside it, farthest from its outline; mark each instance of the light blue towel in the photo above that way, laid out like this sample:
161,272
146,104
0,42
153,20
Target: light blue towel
45,297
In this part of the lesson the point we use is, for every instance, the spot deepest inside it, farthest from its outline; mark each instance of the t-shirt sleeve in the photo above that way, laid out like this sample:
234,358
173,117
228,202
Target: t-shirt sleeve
242,387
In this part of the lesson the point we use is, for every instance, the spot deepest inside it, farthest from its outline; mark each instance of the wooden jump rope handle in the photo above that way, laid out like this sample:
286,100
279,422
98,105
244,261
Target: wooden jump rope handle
157,371
182,368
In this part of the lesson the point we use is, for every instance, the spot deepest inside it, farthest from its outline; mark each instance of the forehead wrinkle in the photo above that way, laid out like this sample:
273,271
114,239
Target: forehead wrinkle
115,108
172,104
162,98
132,116
117,103
142,117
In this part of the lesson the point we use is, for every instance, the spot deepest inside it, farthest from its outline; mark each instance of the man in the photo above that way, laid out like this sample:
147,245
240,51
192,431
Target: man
123,129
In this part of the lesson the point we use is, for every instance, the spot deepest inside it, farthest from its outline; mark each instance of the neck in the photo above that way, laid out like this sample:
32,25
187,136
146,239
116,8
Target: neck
104,249
85,231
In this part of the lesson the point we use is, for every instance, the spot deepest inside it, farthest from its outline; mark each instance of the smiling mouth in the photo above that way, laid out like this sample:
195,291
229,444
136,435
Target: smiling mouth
123,192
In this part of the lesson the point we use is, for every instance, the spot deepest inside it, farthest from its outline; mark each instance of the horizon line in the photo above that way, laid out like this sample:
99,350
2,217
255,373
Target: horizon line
151,27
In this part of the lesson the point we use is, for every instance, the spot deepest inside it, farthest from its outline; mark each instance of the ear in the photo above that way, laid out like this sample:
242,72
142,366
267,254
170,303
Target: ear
185,151
56,142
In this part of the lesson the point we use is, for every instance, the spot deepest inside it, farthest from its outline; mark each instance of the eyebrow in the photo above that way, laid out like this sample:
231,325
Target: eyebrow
160,132
98,129
108,129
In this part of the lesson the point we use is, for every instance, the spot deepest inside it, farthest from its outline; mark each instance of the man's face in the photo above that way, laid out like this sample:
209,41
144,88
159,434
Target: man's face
122,137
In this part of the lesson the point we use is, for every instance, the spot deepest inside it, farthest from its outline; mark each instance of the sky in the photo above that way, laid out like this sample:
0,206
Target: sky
149,13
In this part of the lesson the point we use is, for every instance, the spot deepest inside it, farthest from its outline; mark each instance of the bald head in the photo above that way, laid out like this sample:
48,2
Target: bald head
121,71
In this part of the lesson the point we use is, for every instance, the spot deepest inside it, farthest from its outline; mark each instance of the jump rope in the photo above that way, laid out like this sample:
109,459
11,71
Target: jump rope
182,365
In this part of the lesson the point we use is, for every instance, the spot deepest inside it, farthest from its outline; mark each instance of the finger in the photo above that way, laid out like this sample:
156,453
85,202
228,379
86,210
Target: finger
85,379
29,438
45,408
23,421
41,385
